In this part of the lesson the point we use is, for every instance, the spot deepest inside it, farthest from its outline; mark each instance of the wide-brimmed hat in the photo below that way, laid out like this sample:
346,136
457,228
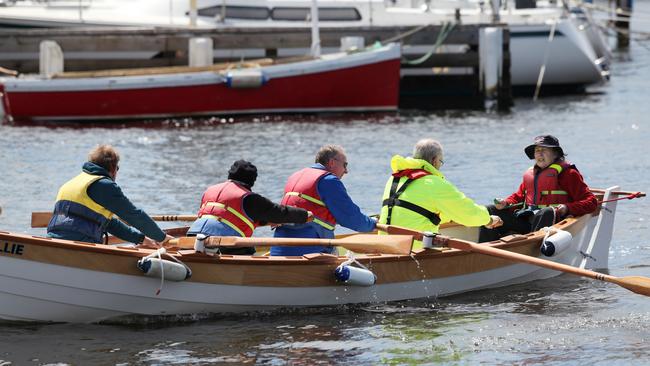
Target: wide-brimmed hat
546,141
243,171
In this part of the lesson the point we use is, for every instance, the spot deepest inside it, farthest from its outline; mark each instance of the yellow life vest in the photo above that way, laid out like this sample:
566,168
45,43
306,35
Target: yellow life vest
76,190
434,194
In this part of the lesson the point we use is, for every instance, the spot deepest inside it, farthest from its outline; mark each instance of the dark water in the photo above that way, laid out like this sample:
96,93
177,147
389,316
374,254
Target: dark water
166,166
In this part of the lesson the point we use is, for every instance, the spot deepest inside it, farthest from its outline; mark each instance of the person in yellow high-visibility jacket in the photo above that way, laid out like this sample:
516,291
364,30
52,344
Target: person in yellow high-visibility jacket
418,196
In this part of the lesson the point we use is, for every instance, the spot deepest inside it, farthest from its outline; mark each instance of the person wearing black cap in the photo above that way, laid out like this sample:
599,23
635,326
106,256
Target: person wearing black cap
551,189
232,209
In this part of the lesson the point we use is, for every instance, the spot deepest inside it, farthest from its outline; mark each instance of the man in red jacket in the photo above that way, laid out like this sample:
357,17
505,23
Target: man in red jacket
551,189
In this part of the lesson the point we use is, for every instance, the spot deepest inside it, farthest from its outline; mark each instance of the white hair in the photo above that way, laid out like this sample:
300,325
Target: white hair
427,149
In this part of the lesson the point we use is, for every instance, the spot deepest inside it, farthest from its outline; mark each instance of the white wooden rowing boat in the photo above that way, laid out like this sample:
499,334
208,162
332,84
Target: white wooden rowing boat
43,279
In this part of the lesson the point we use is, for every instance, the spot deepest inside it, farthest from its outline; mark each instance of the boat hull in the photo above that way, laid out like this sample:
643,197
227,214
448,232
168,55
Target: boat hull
364,81
44,279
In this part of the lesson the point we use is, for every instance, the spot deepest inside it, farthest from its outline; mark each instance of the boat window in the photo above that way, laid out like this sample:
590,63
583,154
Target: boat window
326,14
239,12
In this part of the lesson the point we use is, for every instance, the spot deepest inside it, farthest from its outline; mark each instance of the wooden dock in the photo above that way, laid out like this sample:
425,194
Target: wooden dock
448,78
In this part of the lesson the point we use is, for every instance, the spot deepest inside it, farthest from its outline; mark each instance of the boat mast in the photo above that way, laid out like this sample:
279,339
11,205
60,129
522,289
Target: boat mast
193,13
315,36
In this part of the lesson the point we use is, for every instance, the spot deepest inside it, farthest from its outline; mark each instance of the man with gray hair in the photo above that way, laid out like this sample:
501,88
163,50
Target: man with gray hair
319,189
418,196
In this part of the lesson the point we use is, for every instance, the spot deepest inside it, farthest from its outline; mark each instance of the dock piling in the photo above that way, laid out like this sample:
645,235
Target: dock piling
200,52
622,24
50,58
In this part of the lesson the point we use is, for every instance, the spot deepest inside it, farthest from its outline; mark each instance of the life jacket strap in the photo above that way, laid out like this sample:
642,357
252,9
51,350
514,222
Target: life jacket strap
393,200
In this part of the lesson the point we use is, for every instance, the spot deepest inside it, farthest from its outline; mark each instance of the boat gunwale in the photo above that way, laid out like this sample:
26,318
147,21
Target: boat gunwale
506,243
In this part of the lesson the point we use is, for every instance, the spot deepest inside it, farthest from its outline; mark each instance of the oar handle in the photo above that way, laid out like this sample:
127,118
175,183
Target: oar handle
173,217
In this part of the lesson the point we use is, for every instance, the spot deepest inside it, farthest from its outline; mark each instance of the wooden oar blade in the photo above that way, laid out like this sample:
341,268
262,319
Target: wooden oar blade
41,219
369,243
185,242
398,230
638,284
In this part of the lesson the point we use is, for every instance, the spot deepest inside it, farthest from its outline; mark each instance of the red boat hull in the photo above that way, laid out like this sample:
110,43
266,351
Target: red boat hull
369,87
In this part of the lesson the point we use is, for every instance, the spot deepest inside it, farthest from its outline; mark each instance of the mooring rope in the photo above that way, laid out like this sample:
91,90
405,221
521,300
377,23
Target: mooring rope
445,30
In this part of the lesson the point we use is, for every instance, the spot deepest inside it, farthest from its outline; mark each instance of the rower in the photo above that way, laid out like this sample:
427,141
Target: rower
417,195
85,206
319,189
232,209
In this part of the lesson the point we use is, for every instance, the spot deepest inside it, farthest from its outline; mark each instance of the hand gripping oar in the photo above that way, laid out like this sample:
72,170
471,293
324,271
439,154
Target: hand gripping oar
360,243
41,219
638,284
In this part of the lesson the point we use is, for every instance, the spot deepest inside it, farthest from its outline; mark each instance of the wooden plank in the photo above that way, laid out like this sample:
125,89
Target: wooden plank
123,39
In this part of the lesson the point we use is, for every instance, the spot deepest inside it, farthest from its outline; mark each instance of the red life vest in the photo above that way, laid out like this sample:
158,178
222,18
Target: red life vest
544,189
224,202
301,191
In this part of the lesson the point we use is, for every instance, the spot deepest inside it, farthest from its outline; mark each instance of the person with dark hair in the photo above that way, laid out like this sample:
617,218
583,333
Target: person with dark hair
551,189
232,209
320,190
85,206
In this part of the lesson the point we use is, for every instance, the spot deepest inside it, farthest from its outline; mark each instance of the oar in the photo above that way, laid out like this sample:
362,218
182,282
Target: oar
628,196
41,219
638,284
360,243
619,193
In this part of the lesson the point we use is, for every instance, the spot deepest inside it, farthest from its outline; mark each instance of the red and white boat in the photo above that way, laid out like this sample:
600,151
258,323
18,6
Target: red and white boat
365,80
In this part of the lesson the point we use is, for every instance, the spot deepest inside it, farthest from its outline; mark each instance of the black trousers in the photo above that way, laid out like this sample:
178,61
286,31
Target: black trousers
518,224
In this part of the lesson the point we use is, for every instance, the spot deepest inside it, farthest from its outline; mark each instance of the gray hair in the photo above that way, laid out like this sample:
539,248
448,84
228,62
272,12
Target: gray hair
327,153
427,149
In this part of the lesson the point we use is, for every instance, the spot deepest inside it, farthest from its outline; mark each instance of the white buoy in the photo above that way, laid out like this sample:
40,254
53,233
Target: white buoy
154,267
556,243
355,276
245,78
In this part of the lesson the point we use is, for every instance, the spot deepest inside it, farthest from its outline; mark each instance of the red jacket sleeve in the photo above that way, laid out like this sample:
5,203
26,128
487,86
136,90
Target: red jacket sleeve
518,196
581,200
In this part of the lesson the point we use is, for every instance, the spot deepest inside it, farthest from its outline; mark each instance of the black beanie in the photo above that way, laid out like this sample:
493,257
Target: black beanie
243,171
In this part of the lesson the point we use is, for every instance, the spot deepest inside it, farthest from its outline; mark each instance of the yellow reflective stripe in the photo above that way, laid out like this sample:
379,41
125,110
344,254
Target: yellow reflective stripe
323,224
553,192
551,205
232,211
230,224
307,197
556,167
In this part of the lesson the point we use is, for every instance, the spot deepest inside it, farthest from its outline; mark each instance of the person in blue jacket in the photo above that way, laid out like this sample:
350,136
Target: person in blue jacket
319,189
86,206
